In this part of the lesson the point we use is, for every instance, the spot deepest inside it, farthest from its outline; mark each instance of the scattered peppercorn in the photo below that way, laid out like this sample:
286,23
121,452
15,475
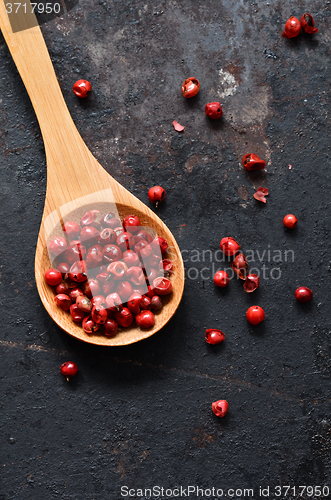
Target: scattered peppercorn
156,194
190,87
303,294
255,315
290,221
307,24
292,28
214,336
82,88
252,161
220,408
213,110
69,369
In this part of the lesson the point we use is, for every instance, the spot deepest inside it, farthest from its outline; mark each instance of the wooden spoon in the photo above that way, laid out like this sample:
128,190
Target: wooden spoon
76,182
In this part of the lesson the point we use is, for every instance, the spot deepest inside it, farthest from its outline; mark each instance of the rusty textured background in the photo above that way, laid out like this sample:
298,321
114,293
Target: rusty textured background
141,415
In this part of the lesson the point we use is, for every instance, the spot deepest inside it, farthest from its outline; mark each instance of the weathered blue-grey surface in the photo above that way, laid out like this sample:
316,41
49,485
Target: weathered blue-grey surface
141,415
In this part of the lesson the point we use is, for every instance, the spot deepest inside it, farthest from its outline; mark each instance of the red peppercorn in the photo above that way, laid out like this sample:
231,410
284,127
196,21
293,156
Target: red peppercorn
229,246
78,271
240,266
63,301
261,194
213,110
111,253
303,294
63,267
159,244
69,369
88,234
130,258
145,303
74,293
190,87
292,28
98,300
53,277
251,161
255,315
62,288
135,275
134,302
290,221
89,217
156,194
117,269
113,302
82,88
141,245
91,288
124,290
145,319
84,303
131,223
99,314
165,265
94,256
221,278
307,24
214,336
124,317
75,252
162,286
72,230
145,253
125,241
57,246
251,283
106,236
89,325
77,314
156,303
153,274
142,234
110,327
109,220
220,408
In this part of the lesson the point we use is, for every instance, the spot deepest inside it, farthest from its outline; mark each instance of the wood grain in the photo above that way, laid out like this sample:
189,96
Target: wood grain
75,179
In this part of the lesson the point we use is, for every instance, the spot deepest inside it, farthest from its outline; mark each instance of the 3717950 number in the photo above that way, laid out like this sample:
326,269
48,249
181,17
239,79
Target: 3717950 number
302,491
39,8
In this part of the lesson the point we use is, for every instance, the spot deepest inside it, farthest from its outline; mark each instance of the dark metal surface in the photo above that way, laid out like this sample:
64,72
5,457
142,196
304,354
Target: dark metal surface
141,415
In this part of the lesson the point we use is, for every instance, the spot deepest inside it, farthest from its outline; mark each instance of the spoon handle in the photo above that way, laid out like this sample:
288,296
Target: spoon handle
33,62
72,171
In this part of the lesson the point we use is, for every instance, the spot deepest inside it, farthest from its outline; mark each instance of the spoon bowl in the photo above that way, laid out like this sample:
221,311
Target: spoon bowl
127,335
76,182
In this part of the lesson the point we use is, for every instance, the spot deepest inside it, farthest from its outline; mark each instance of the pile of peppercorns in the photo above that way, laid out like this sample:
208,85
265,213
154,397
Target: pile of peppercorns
109,273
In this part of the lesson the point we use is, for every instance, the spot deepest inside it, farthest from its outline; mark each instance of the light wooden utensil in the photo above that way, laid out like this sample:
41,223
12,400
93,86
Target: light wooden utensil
76,182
